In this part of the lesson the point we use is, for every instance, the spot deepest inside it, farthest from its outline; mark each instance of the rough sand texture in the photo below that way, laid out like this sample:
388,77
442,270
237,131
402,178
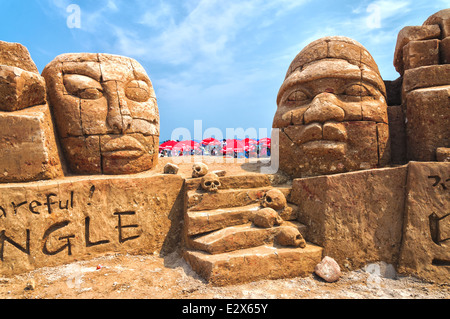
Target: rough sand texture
153,277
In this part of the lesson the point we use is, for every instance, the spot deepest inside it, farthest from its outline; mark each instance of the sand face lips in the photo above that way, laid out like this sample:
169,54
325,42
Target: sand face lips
123,147
329,131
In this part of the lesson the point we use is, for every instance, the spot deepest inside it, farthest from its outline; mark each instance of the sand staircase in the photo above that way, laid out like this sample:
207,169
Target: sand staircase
225,247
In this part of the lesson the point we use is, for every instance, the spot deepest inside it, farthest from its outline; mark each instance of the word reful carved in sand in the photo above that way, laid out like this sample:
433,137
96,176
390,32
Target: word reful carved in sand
332,111
106,113
33,206
46,224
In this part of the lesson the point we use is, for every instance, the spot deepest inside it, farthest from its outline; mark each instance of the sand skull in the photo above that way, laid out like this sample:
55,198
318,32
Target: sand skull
199,170
275,199
267,218
210,182
290,236
171,169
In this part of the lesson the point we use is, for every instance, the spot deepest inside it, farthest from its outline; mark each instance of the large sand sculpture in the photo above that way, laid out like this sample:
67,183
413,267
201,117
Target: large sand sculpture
332,111
364,167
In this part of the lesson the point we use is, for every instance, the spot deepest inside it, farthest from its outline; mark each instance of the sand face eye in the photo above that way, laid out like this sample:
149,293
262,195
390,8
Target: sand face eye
82,86
296,99
297,96
356,90
137,91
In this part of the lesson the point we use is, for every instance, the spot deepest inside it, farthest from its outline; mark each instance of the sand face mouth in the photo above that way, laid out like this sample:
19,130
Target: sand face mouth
123,147
330,132
325,138
325,147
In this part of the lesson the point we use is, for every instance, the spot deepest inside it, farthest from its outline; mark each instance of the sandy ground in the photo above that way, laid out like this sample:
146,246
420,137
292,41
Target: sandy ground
117,276
232,166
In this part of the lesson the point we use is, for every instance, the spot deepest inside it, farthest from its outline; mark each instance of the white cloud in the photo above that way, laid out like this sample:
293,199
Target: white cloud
61,4
375,14
357,24
112,6
160,16
206,31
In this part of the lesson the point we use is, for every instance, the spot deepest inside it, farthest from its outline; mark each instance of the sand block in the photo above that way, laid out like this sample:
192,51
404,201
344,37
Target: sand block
28,147
240,237
421,53
45,224
257,263
356,217
425,250
428,122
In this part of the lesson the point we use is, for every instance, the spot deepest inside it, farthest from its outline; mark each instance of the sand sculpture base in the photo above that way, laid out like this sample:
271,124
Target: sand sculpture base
224,245
252,264
394,214
50,223
397,215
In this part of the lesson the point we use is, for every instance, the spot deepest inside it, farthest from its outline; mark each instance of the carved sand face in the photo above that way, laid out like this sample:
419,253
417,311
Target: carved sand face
105,111
332,110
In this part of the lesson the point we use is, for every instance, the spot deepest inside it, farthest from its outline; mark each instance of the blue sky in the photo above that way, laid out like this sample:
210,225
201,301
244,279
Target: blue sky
221,62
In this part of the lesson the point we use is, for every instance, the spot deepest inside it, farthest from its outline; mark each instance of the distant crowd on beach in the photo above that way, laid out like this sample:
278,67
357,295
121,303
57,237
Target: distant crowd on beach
247,148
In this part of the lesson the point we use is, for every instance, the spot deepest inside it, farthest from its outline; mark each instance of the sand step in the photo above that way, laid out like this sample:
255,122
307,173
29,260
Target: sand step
253,180
198,200
256,263
198,222
239,237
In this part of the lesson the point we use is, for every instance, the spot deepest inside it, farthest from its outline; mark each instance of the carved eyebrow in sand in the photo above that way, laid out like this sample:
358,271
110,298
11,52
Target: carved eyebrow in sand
86,68
298,95
338,68
82,86
88,88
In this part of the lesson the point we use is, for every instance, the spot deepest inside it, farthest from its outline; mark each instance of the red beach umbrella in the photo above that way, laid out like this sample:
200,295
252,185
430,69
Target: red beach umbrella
250,141
186,145
265,141
250,144
249,147
211,141
192,144
233,145
167,145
